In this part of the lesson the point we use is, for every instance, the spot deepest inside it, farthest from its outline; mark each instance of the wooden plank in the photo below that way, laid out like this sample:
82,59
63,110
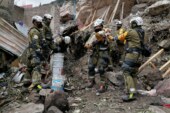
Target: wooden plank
122,11
166,73
95,11
152,65
114,11
107,13
104,14
150,59
165,66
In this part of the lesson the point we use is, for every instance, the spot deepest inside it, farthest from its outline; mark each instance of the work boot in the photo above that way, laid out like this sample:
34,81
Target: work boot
129,97
91,82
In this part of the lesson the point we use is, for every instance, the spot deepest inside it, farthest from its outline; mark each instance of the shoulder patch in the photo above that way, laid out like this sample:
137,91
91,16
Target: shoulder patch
35,37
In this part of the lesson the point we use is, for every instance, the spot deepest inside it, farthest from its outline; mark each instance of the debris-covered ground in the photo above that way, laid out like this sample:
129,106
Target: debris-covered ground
155,89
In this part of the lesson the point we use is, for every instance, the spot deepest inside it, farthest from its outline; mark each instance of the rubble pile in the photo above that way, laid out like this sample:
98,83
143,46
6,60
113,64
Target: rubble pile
78,99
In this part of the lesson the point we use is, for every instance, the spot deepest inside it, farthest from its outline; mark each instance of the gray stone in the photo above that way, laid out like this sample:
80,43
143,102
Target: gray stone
165,44
138,7
54,109
114,78
155,109
163,87
29,108
158,7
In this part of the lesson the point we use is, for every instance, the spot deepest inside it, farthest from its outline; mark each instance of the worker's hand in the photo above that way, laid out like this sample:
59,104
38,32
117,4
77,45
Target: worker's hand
110,38
88,46
115,38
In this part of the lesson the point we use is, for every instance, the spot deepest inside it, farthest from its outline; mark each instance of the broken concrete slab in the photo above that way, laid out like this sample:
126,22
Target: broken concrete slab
114,78
139,7
158,7
58,99
164,44
54,109
163,88
155,109
29,108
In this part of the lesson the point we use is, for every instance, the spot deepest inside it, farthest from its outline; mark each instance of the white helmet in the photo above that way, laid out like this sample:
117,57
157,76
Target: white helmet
138,20
118,23
67,39
48,16
98,22
37,18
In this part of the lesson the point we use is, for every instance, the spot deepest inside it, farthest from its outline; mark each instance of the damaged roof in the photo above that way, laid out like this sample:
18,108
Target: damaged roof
11,40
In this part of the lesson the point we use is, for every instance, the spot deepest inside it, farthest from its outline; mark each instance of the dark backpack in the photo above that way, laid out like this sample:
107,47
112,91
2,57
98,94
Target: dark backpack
145,49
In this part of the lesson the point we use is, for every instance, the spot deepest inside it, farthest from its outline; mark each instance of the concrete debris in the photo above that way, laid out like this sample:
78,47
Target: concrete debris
77,111
155,109
138,7
163,87
158,7
53,109
57,99
29,108
165,44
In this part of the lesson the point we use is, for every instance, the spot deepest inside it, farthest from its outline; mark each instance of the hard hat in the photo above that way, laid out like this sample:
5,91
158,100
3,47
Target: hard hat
37,18
67,39
98,22
48,16
138,20
118,23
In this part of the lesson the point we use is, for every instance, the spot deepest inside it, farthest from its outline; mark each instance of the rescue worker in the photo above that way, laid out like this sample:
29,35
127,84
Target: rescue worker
35,53
99,59
47,43
132,60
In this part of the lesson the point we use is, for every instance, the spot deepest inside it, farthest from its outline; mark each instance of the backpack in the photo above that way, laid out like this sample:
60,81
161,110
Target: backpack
145,49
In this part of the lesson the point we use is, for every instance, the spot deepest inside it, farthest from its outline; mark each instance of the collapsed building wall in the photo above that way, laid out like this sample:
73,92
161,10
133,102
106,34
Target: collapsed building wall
6,7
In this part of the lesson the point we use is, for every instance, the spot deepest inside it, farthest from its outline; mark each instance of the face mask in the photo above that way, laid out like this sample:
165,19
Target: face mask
39,25
119,26
48,21
97,30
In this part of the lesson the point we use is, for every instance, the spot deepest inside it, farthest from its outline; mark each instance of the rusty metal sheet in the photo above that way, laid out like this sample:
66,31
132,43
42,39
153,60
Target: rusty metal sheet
11,39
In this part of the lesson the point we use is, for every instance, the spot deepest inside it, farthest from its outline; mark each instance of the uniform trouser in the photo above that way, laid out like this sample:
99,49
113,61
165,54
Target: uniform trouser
35,71
130,81
130,70
101,61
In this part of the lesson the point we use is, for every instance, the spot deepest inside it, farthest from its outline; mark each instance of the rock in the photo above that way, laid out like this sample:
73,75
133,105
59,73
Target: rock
114,78
45,92
77,111
165,44
163,88
155,109
138,7
54,109
158,7
29,108
57,99
165,100
148,93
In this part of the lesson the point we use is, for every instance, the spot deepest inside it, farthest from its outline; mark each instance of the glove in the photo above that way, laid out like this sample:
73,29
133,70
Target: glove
115,38
88,46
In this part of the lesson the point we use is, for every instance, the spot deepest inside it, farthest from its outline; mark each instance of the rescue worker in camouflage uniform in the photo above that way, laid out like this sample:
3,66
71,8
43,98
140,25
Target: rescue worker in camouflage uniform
35,53
133,55
100,56
47,35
